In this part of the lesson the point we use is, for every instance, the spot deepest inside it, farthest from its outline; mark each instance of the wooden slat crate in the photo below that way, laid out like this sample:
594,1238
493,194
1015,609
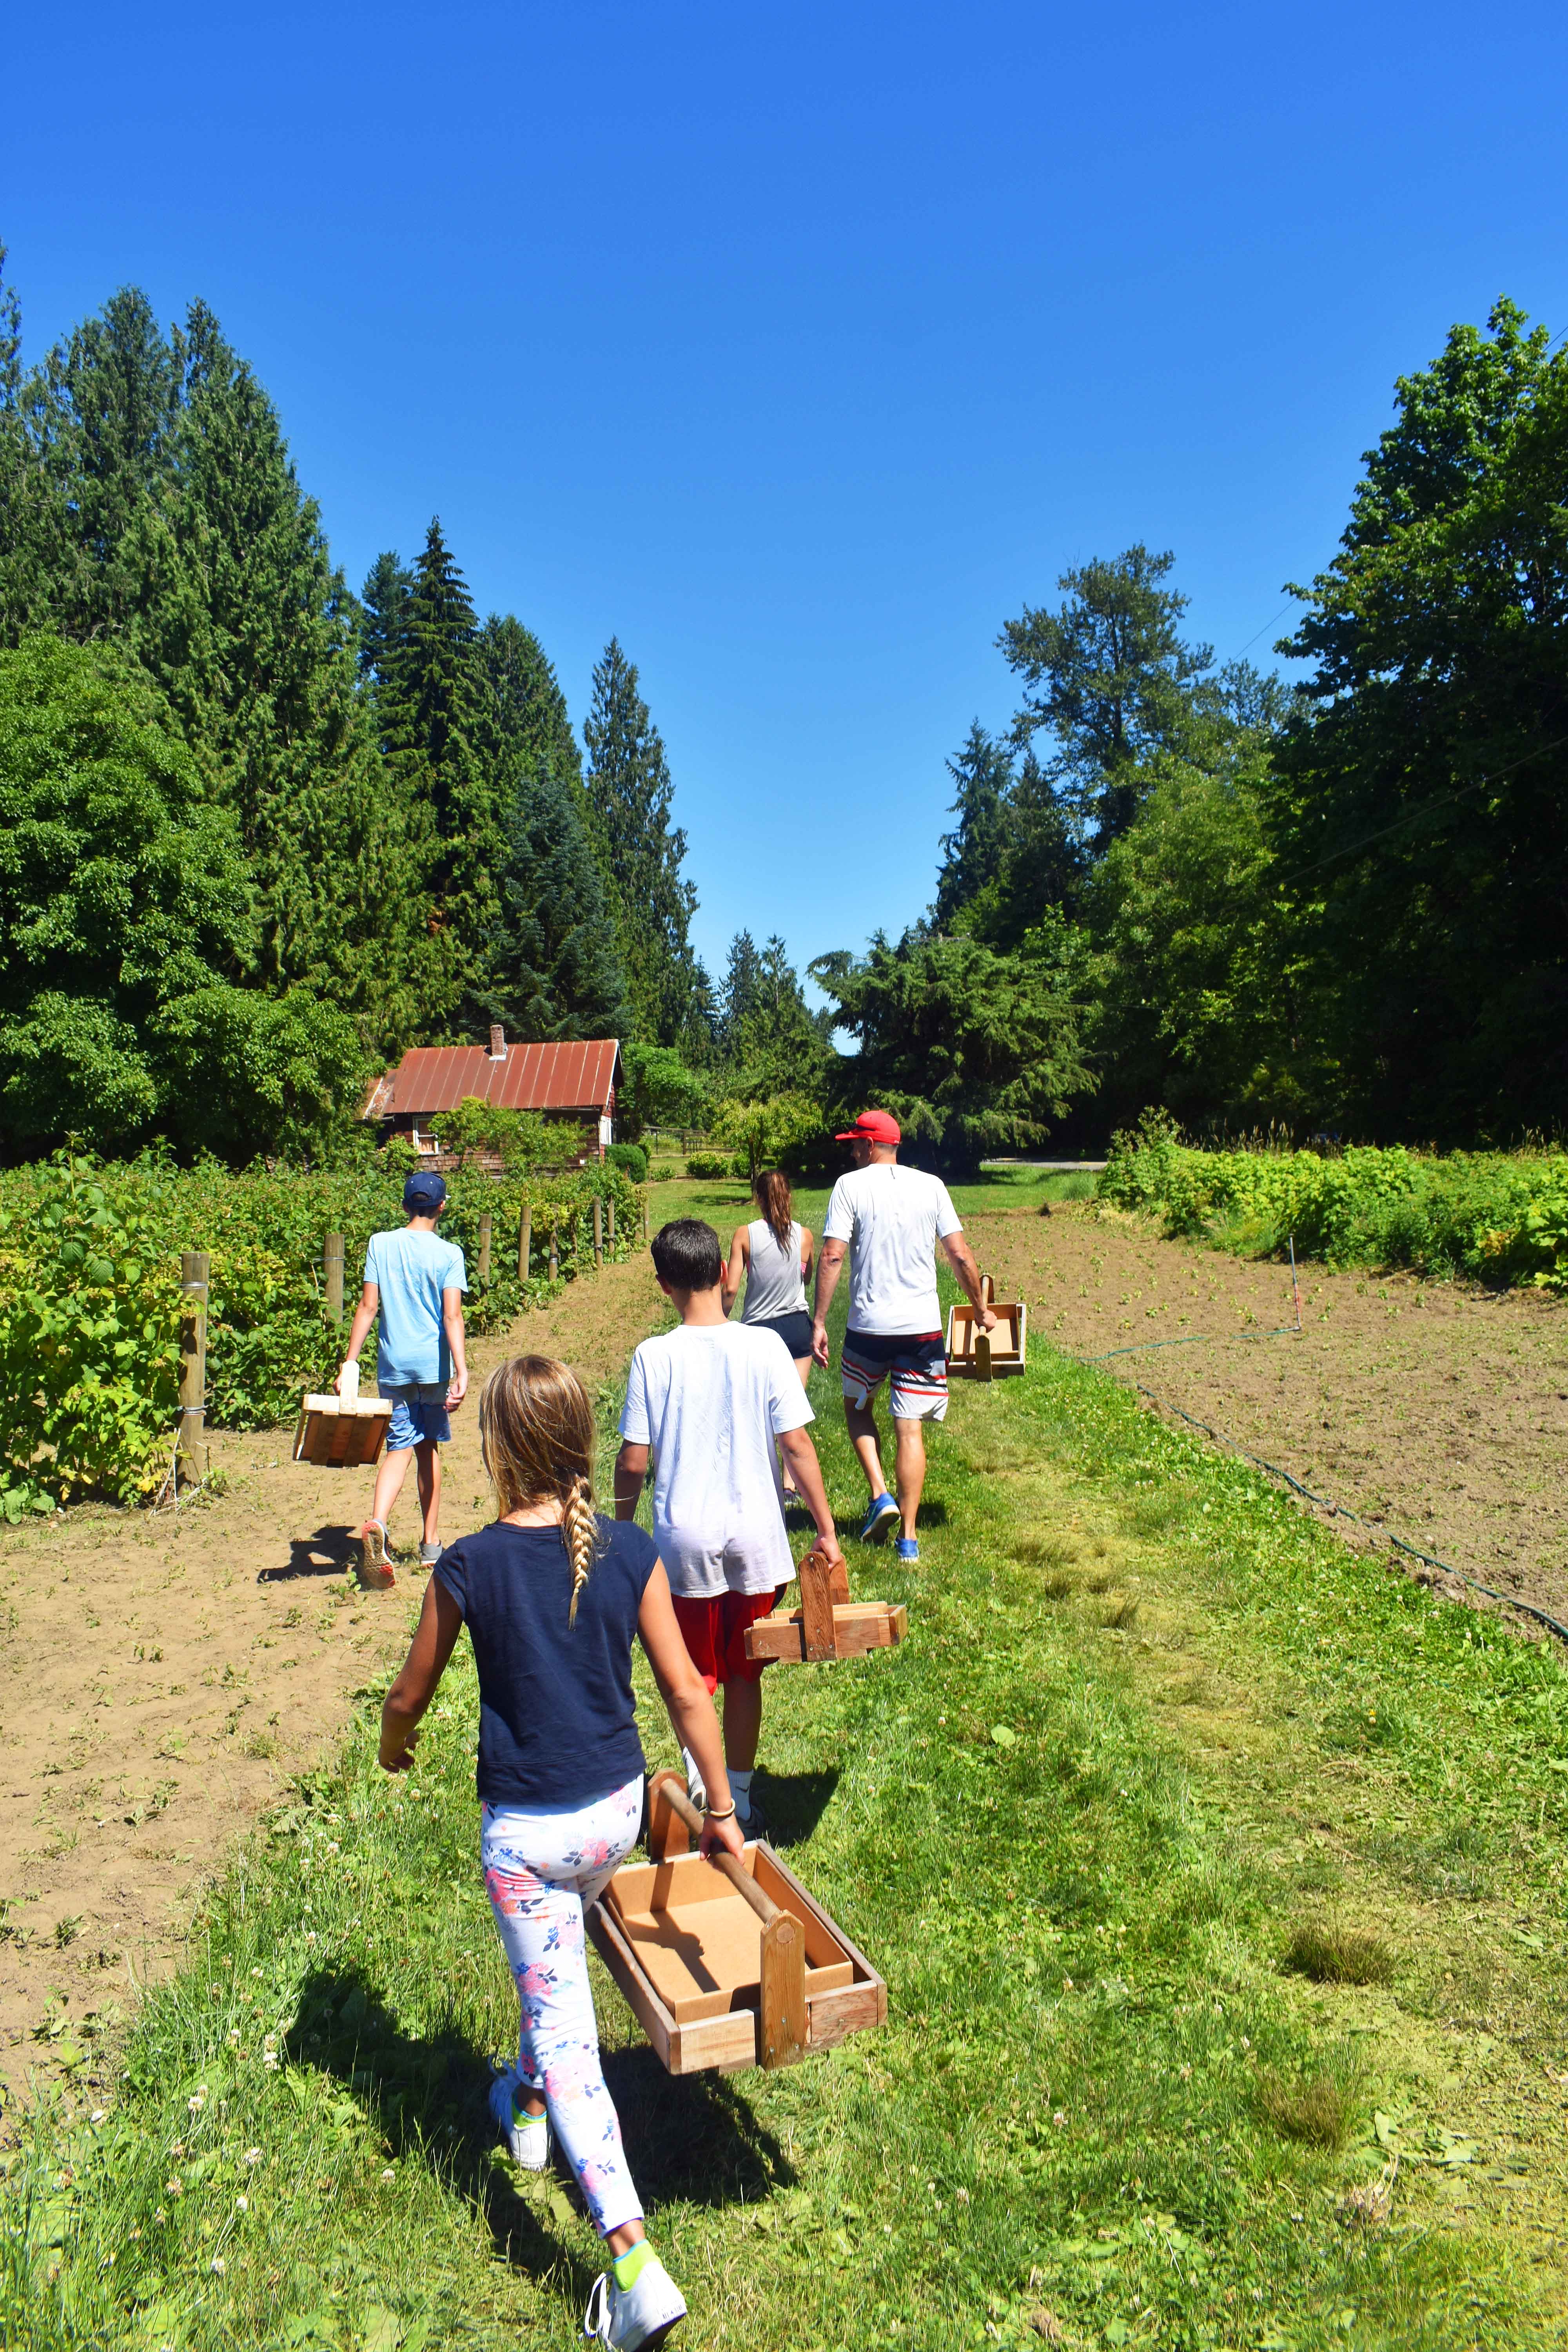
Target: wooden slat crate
727,1963
827,1624
342,1433
973,1354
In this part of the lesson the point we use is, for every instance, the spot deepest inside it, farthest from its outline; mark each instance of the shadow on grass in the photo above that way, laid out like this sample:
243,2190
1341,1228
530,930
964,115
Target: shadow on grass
795,1801
328,1552
693,2137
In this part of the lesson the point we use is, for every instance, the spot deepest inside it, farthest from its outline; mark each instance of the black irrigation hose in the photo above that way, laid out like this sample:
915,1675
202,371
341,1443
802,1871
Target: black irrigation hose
1335,1511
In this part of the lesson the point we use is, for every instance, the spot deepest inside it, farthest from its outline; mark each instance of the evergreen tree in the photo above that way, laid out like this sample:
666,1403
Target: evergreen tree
741,992
435,712
1110,679
974,852
384,618
630,792
529,713
92,443
776,1044
552,953
240,617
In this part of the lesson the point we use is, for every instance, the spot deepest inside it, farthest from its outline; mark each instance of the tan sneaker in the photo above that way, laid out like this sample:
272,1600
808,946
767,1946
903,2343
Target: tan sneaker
375,1567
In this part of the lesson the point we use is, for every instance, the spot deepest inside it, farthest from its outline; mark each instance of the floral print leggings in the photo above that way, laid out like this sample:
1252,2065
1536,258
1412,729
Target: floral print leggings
540,1870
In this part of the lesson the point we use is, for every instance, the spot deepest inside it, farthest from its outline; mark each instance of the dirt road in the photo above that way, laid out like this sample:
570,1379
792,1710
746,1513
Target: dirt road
164,1677
1436,1412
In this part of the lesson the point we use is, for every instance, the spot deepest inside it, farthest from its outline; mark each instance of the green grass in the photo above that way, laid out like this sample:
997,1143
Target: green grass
1075,1819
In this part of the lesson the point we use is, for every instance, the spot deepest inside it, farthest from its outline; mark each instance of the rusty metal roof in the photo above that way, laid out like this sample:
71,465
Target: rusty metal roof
433,1078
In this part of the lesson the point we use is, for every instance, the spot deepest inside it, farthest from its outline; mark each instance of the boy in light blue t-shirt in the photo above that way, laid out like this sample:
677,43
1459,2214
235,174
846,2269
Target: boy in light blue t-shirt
416,1282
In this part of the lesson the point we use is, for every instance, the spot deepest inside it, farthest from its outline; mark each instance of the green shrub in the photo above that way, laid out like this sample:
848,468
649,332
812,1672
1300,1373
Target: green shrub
631,1158
1498,1217
710,1164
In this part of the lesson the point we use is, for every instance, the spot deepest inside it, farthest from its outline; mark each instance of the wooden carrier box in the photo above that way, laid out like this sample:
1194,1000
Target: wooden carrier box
727,1963
342,1432
827,1624
976,1355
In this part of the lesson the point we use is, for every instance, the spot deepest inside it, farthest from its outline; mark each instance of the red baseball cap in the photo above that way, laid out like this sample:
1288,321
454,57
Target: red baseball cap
872,1126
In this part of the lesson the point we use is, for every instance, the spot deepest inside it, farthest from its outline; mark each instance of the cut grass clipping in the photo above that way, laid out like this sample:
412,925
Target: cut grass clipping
1098,2114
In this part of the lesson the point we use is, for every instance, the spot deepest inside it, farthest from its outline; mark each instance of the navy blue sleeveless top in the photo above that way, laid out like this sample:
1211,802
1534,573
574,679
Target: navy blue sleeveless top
556,1712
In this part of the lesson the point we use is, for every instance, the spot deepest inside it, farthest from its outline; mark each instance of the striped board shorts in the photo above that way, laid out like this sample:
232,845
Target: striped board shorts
916,1362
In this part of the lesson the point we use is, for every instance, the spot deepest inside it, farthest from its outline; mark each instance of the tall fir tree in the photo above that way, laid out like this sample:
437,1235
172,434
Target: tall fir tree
974,852
631,792
384,618
741,992
434,714
242,618
529,714
772,1041
553,953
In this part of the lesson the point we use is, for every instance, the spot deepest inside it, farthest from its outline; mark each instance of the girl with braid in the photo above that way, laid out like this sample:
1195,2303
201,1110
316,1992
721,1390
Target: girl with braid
552,1595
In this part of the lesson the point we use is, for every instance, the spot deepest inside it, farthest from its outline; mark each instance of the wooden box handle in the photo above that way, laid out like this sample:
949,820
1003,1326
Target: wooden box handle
781,2026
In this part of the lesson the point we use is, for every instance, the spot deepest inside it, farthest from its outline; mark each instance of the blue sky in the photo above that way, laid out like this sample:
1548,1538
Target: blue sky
801,349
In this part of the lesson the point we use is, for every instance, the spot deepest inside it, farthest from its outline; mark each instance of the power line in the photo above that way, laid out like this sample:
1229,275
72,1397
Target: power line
1427,808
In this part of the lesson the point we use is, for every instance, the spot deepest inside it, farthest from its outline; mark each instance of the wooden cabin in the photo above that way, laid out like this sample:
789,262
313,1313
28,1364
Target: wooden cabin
574,1084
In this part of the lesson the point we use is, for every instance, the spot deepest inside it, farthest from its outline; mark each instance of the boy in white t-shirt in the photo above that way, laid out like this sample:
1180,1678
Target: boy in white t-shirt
710,1402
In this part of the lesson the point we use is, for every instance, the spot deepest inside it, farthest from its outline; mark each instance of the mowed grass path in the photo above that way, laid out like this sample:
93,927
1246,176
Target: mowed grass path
1158,1756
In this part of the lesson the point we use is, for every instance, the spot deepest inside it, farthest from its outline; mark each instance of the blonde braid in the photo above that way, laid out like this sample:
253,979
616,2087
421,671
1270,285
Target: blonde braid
580,1534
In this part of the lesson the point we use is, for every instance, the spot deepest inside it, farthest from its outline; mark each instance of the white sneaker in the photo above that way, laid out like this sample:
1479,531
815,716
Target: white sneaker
696,1787
634,2318
527,2137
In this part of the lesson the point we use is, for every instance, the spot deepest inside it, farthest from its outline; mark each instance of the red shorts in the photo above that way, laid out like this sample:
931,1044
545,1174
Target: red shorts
714,1632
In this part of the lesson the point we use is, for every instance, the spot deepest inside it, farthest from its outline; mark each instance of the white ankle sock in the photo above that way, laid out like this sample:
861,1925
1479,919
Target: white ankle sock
741,1789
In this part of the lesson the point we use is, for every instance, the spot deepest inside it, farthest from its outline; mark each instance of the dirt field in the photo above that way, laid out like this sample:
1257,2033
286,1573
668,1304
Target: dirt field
165,1676
1438,1412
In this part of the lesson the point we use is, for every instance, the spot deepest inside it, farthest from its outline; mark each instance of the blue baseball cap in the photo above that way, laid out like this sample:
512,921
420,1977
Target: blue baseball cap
424,1193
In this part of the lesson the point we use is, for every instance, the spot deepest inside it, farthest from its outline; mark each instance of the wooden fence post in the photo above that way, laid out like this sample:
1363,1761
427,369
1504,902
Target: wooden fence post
195,1267
612,1222
598,1233
554,1256
487,1228
332,1269
525,1240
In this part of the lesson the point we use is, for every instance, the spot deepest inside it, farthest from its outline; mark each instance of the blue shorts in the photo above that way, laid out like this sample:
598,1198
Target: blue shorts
418,1413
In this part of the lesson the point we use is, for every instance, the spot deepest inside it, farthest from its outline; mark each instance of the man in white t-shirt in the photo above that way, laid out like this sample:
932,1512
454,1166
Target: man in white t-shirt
889,1220
710,1402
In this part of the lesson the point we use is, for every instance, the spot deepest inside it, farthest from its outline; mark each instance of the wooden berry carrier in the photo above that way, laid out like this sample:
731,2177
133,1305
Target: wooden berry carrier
827,1624
729,1962
976,1355
342,1432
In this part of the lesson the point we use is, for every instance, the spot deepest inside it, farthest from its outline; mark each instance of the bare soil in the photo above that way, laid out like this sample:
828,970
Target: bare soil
165,1676
1437,1411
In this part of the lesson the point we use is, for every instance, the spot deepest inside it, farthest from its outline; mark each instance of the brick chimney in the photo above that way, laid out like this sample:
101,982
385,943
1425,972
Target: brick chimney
498,1041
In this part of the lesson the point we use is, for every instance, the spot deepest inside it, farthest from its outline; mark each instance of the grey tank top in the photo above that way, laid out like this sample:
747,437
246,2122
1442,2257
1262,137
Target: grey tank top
774,1285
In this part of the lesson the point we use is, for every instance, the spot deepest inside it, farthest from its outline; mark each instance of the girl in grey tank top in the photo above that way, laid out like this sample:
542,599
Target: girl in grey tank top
773,1283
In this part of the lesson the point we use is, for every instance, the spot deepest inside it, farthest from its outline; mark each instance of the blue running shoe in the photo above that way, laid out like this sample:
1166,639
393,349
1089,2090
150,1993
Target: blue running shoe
879,1520
908,1549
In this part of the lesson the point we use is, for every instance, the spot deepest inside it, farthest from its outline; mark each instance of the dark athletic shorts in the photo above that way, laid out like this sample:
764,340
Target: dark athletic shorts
794,1330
